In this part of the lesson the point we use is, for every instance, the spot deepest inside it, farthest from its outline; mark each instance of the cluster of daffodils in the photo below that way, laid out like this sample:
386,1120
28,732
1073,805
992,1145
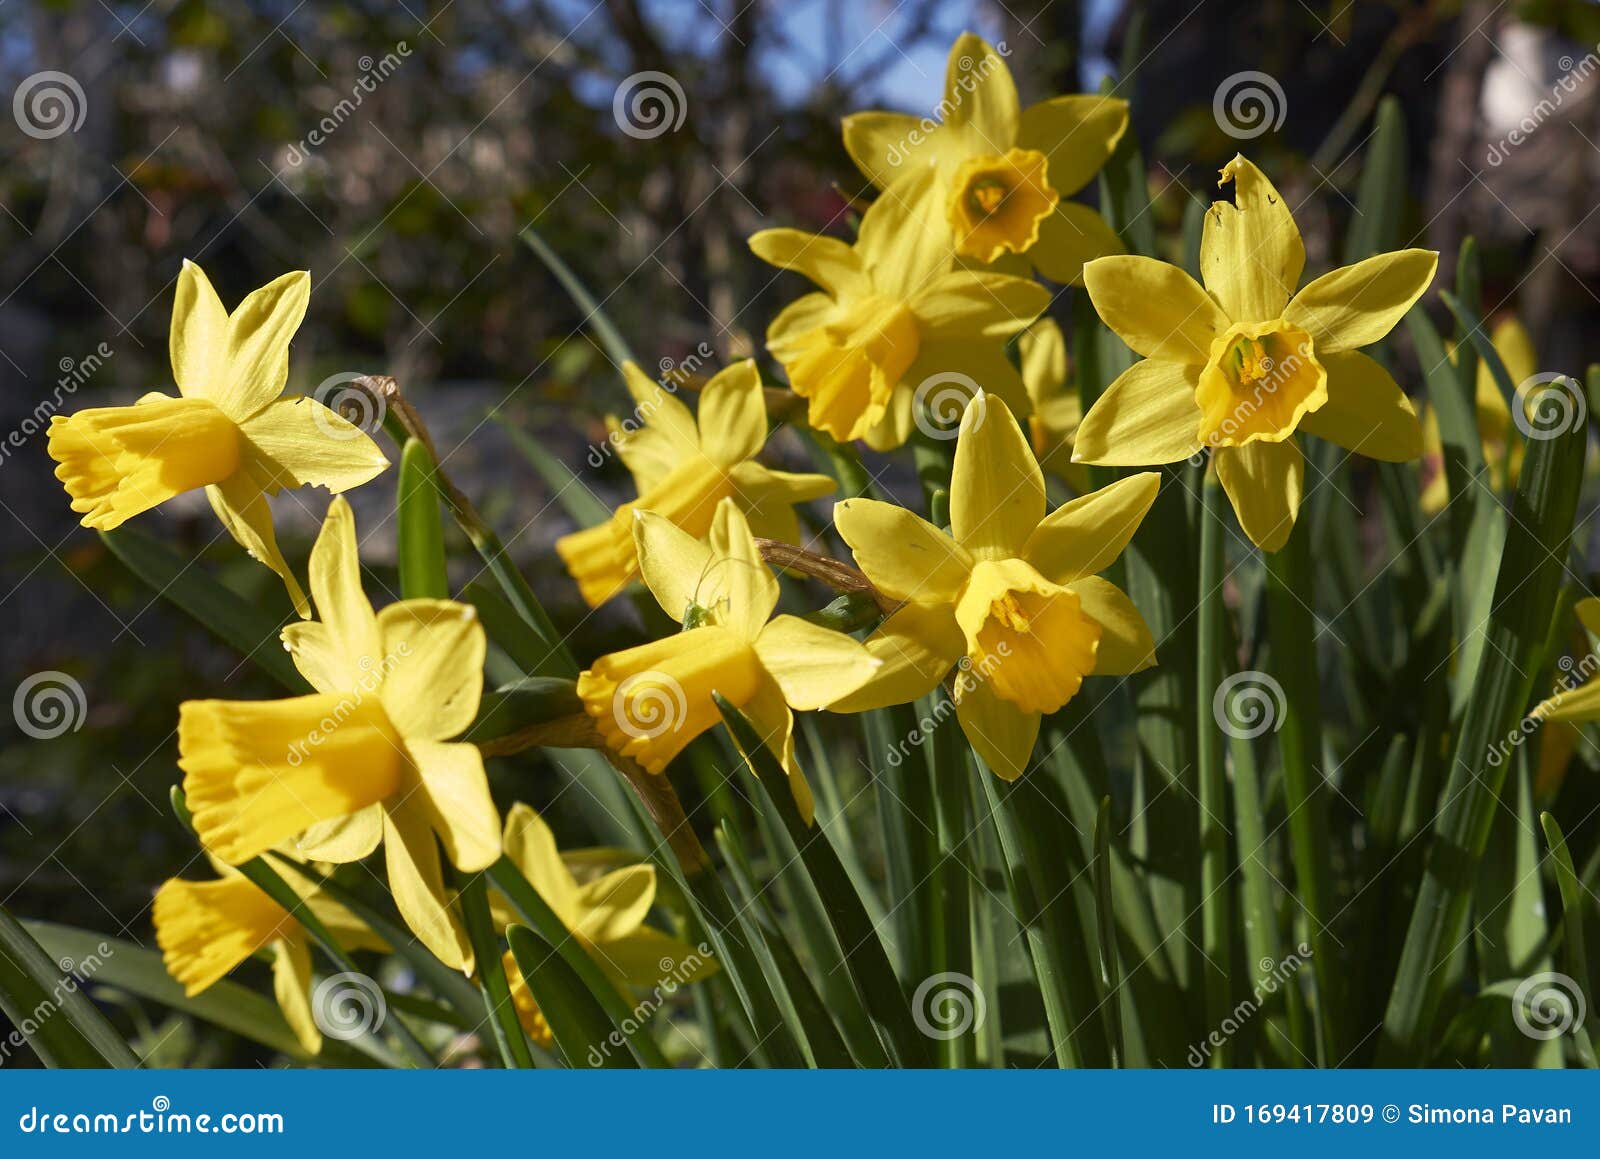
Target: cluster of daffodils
1003,612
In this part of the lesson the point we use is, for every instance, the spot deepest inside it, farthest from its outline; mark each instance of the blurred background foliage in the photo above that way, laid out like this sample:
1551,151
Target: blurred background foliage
493,116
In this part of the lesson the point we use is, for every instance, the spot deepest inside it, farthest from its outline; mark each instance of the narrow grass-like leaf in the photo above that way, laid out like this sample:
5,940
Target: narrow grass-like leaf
64,1028
577,1023
473,892
611,339
1106,922
585,508
1216,911
1381,192
1577,955
952,933
421,530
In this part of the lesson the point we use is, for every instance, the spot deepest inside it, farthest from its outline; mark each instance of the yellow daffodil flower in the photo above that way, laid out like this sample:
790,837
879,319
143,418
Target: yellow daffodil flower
1004,172
1576,700
207,928
891,315
1009,598
363,760
230,432
1502,451
605,916
1057,410
683,468
649,702
1242,364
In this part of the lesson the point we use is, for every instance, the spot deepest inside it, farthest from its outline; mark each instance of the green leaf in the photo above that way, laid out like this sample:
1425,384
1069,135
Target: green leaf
1216,912
67,1030
421,530
1381,194
491,971
250,630
1106,923
580,1027
611,339
1572,925
584,507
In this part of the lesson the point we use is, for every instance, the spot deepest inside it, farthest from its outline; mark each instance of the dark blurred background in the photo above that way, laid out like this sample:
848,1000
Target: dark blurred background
396,149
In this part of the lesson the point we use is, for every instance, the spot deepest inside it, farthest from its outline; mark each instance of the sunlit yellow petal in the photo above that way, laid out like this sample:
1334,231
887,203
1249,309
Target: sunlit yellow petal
881,144
904,555
1044,361
918,646
198,338
1069,239
1077,133
1156,308
342,605
1366,411
674,563
970,305
980,97
416,881
829,262
774,723
996,487
767,498
432,667
343,839
257,355
614,905
1126,644
1000,732
456,793
206,928
1147,416
241,504
529,1015
1082,537
740,590
291,986
903,239
532,848
1251,254
298,442
1264,483
1357,305
1027,638
813,665
650,959
733,415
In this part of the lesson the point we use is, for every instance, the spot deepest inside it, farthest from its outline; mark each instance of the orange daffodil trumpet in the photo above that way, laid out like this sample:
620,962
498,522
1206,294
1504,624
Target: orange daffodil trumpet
649,702
684,467
230,431
890,315
1241,365
1003,173
1009,599
605,914
207,928
367,758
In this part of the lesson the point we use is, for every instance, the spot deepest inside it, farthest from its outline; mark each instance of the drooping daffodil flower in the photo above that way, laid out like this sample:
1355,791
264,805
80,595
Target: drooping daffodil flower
605,914
207,928
366,758
683,467
649,702
231,430
892,316
1242,364
1008,600
1004,173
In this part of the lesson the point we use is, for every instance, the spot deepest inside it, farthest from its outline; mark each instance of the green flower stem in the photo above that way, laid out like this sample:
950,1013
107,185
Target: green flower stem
1216,932
492,981
952,938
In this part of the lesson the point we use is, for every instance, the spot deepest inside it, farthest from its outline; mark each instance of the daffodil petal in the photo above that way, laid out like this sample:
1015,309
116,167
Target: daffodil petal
918,646
905,556
745,591
648,958
1357,305
949,374
813,665
206,928
1155,307
996,487
298,442
241,505
673,562
457,794
1126,644
1366,411
291,986
1077,132
904,240
615,905
342,605
416,881
1588,612
979,95
800,316
659,433
1043,351
257,354
1069,239
1251,255
1000,732
531,846
965,304
1575,704
882,143
1147,416
767,498
343,839
198,338
1264,483
432,663
1083,537
773,721
733,415
829,262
